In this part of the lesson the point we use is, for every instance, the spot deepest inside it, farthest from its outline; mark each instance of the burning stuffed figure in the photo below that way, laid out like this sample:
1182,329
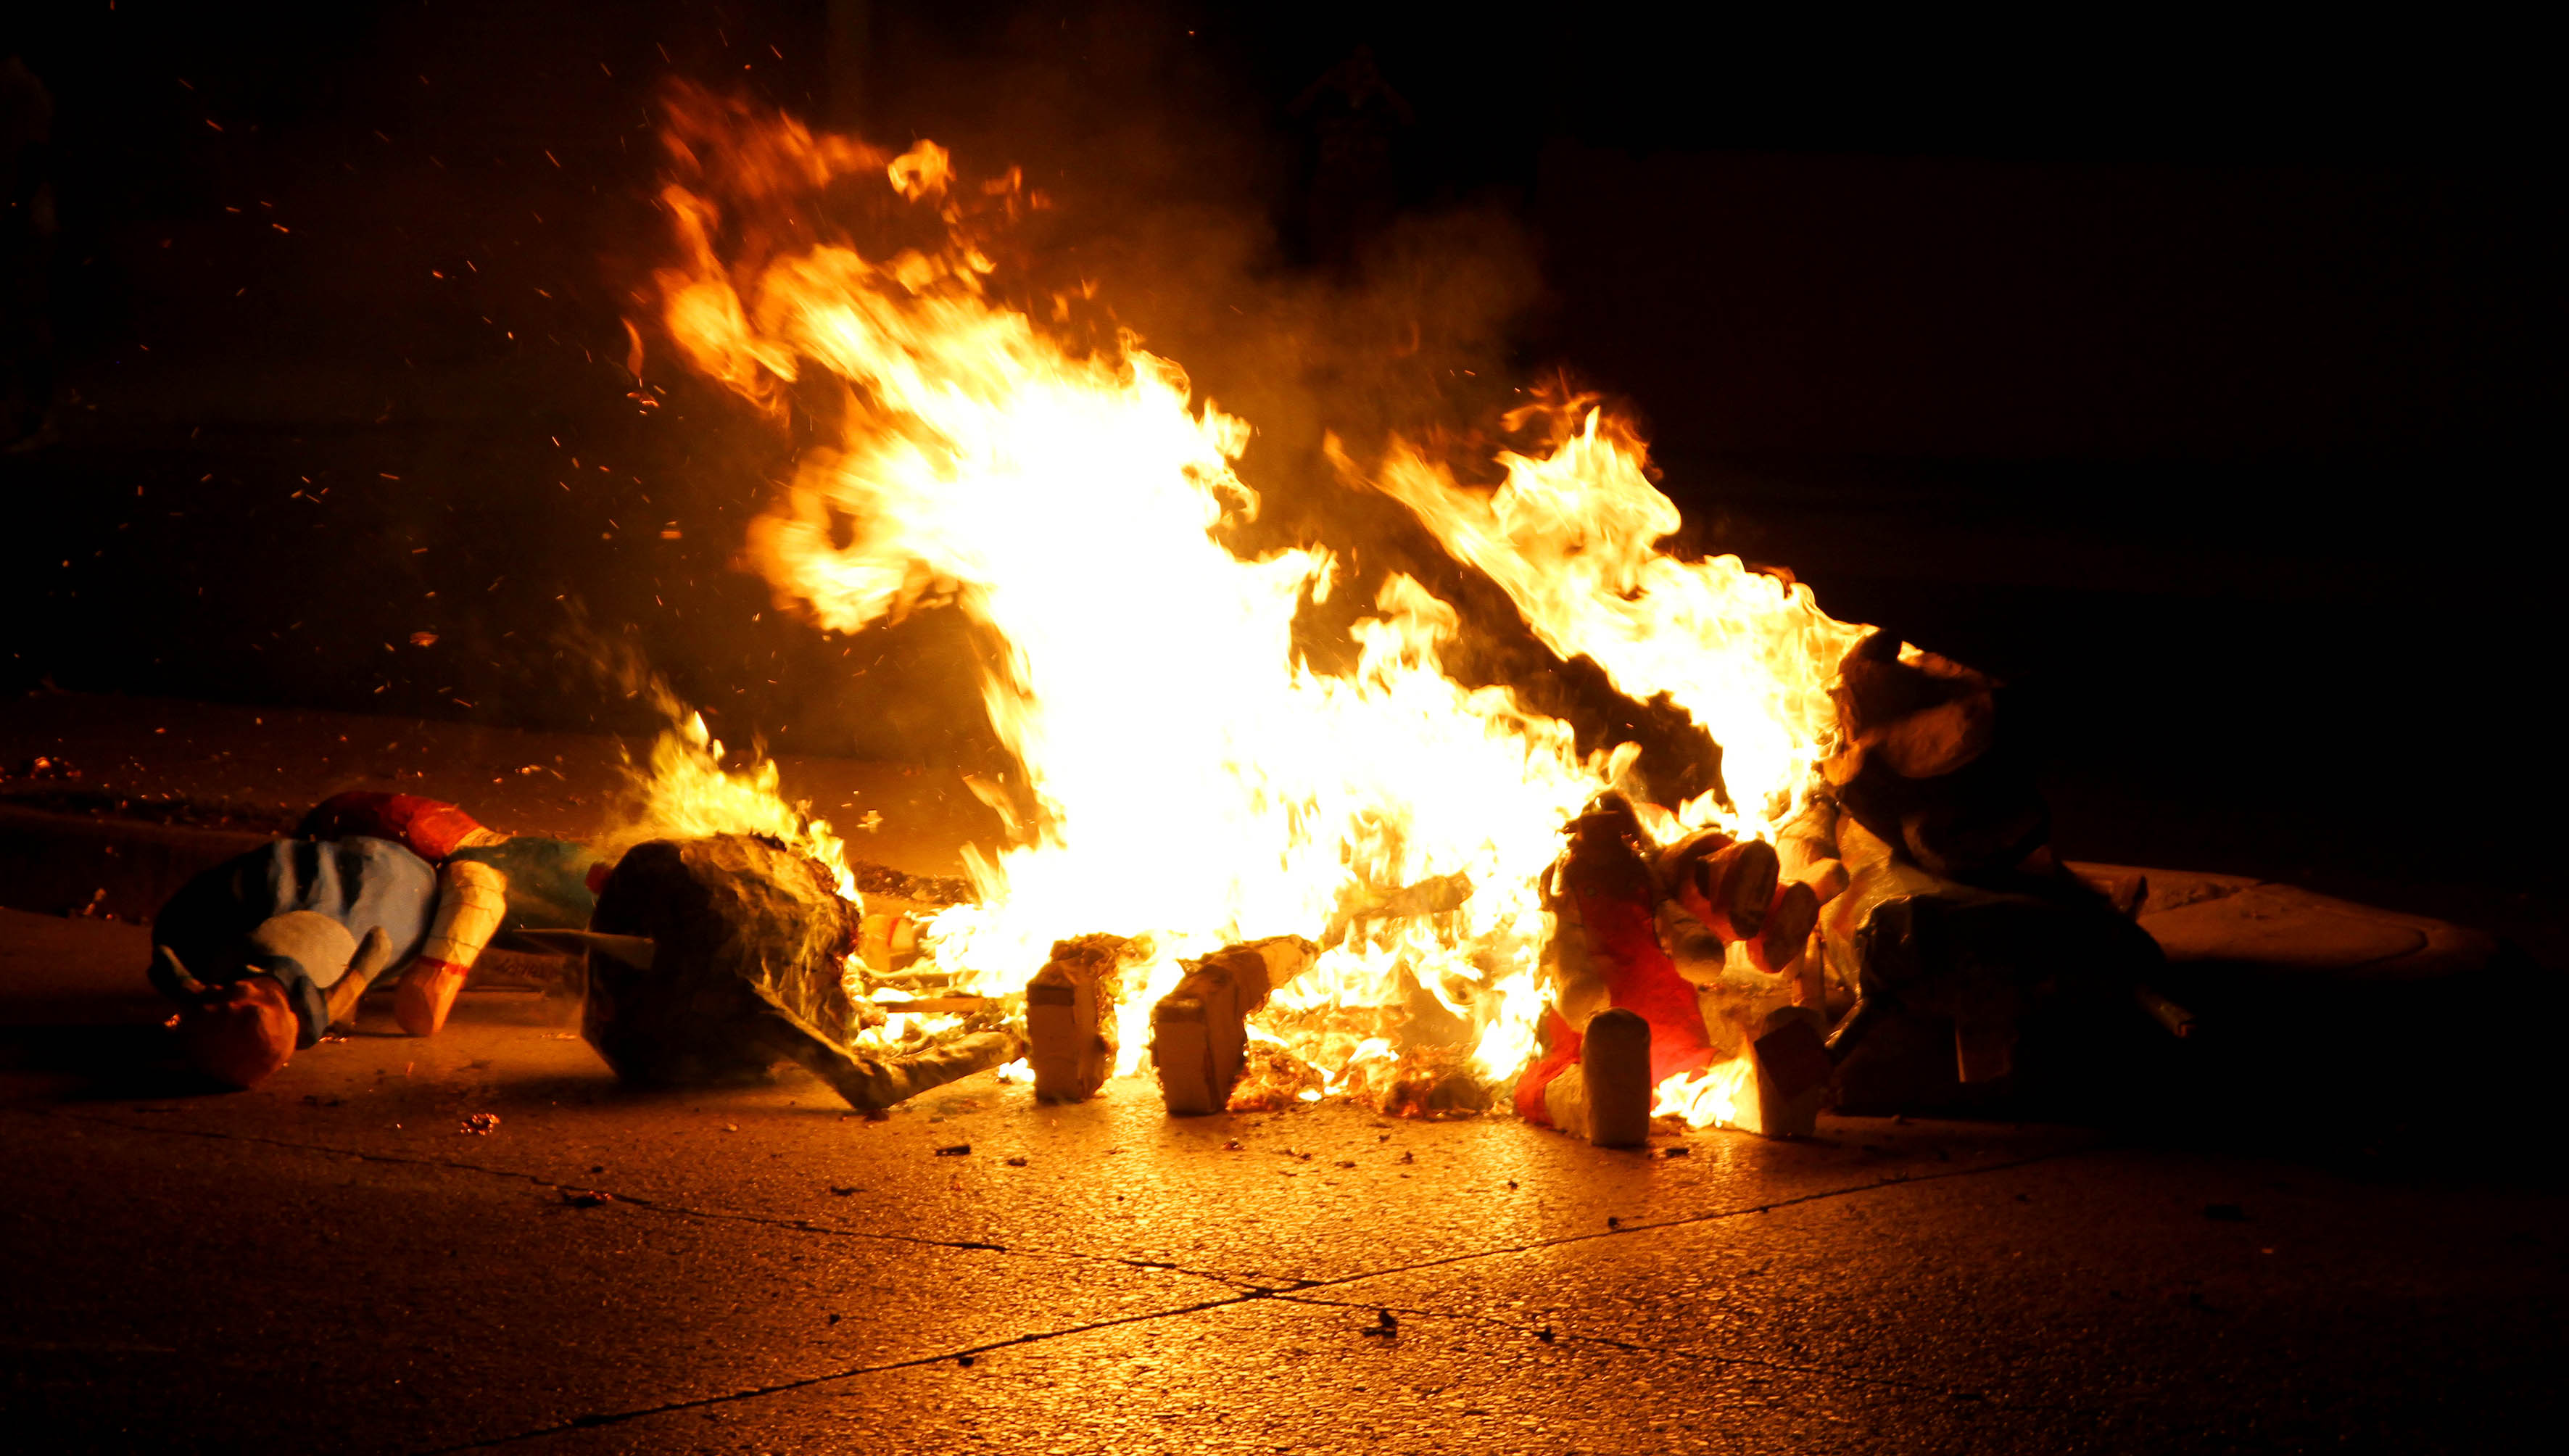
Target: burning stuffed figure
1955,957
1667,961
267,952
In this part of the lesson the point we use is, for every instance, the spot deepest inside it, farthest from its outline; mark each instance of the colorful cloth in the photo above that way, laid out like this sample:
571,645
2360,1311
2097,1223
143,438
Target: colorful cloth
429,828
362,883
548,886
1606,906
547,881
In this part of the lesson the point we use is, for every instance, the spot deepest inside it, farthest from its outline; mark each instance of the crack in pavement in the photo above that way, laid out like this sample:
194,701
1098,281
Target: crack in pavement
595,1420
643,1203
1294,1294
1640,1347
1621,1228
1295,1291
806,1226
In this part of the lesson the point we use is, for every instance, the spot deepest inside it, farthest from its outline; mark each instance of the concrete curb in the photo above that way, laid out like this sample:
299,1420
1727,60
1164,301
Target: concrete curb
124,868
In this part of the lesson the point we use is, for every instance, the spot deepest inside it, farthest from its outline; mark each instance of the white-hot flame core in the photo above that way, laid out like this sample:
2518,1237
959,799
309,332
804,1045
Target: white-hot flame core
1191,779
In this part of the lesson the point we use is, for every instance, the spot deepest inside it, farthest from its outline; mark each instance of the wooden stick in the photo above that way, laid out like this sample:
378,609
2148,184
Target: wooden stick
2178,1020
944,1004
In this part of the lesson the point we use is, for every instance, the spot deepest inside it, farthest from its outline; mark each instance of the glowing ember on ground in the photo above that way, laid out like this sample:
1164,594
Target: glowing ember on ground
1187,777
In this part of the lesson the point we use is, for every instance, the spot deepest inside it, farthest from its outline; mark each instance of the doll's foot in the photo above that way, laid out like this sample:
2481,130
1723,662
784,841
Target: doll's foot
1614,1063
426,994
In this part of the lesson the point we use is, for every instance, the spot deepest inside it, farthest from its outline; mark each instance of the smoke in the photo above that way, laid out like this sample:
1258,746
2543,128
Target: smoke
1151,196
1209,214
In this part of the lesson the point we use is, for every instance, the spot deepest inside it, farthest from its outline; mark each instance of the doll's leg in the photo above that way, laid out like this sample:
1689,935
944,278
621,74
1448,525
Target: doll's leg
1604,1095
470,900
374,956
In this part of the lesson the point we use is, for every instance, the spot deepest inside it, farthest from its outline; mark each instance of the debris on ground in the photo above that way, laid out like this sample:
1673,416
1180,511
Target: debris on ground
481,1124
954,1149
585,1198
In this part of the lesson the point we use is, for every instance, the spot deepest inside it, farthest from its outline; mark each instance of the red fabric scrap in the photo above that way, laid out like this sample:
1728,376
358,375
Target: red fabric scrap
428,827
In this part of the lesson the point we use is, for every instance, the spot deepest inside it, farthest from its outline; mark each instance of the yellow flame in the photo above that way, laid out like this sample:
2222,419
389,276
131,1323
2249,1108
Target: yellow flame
1717,1096
685,793
1187,774
1573,536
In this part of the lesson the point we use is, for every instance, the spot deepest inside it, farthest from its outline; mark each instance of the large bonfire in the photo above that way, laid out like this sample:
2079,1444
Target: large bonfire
1194,781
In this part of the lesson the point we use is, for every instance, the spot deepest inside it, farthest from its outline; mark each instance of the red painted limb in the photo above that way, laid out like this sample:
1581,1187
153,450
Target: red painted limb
428,827
1616,906
1623,936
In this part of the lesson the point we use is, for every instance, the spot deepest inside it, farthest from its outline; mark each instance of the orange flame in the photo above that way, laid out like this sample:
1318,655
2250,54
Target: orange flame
685,791
1573,536
1717,1096
1189,777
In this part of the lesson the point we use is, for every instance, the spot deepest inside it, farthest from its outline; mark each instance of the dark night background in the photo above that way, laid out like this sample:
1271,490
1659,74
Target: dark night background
2195,374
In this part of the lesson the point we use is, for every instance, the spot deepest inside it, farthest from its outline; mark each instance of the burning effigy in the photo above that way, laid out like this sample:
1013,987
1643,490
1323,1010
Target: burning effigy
1394,888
